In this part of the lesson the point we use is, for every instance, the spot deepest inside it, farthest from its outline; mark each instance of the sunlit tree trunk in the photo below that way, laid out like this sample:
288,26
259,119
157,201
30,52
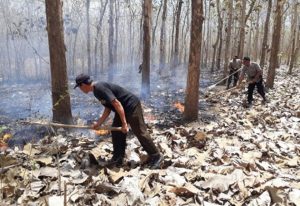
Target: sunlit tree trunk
162,44
275,44
192,88
60,94
208,36
228,36
265,38
147,12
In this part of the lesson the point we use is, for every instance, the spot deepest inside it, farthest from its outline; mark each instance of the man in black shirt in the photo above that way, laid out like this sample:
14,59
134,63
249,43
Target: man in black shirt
128,109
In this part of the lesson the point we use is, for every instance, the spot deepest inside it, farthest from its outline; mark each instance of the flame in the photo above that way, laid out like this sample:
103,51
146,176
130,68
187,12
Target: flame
179,106
101,132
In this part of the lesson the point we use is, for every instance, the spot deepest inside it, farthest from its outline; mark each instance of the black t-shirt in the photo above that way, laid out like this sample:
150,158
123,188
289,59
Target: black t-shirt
107,92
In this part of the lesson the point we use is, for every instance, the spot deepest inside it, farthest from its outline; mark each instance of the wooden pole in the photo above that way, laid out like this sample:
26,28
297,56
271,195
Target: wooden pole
73,126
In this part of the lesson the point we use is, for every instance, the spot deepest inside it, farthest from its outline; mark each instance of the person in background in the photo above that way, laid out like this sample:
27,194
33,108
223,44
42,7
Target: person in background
234,66
254,79
128,110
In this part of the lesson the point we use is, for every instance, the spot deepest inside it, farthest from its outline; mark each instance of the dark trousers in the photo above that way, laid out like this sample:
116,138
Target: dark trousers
260,89
234,76
139,128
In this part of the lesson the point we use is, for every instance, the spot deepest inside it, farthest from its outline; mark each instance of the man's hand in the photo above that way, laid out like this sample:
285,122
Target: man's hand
125,128
96,125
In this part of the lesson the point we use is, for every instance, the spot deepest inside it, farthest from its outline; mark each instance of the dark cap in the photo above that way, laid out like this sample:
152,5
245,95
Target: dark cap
82,78
246,58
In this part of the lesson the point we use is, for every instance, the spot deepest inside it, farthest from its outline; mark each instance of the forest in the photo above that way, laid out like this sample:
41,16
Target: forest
150,102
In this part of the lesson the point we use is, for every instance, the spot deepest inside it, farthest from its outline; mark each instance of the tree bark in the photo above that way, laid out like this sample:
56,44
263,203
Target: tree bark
192,88
98,29
176,43
116,42
220,30
295,45
60,94
111,69
228,36
265,38
242,29
147,11
275,44
256,38
88,36
162,45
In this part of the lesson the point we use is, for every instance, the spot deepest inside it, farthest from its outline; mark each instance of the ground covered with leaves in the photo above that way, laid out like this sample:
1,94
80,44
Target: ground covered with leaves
231,156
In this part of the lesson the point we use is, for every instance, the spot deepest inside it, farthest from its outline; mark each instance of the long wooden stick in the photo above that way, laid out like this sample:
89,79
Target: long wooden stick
74,126
225,91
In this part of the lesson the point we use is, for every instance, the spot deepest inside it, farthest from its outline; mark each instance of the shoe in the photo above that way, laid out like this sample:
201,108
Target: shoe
249,105
113,162
155,161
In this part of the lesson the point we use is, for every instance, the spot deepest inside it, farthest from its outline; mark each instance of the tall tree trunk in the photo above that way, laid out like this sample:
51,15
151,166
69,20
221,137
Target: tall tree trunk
265,38
88,36
60,94
220,29
183,44
295,45
228,36
74,51
176,43
192,88
275,44
98,29
214,52
242,29
162,45
116,42
153,34
156,23
147,11
187,30
172,36
208,36
256,38
111,69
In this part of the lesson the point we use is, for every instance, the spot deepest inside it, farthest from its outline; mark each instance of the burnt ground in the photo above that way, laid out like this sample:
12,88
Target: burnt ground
32,101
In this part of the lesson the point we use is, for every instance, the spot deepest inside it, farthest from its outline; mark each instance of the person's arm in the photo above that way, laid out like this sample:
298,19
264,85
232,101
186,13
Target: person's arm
103,117
120,110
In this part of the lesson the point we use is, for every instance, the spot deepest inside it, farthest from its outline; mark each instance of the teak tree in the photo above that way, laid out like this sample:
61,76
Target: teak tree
192,88
275,44
60,94
147,10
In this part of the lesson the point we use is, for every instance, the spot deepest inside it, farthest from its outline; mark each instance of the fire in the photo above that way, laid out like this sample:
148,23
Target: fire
101,132
179,106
